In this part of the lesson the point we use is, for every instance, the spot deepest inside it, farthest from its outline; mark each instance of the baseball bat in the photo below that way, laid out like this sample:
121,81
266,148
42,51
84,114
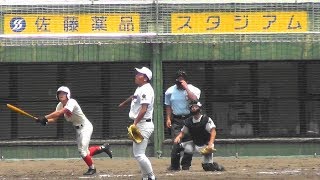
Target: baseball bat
18,110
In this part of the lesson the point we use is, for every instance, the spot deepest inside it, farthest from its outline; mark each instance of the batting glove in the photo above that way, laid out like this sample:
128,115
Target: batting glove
42,120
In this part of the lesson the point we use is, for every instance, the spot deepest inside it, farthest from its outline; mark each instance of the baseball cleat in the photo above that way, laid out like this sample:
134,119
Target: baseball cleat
221,168
218,167
106,148
90,172
170,168
186,168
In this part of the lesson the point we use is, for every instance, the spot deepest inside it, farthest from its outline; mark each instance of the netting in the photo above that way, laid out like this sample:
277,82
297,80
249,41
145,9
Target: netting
159,22
239,54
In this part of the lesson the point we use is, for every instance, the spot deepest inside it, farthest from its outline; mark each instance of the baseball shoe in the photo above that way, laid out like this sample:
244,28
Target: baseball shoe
218,167
90,172
170,168
221,168
186,168
106,148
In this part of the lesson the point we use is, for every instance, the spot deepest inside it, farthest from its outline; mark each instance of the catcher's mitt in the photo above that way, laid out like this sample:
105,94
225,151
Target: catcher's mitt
207,150
134,134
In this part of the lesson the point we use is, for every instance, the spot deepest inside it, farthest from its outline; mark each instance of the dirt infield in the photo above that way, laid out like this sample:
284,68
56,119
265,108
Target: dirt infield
125,168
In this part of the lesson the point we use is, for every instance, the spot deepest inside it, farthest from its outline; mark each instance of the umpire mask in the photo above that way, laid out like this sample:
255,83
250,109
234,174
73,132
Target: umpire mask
178,83
180,75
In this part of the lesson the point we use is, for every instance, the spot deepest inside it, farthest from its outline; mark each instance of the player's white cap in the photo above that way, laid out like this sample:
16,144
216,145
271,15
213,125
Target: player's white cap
64,89
146,71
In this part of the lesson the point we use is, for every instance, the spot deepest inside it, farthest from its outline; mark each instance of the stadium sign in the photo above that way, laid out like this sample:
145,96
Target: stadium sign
234,22
71,23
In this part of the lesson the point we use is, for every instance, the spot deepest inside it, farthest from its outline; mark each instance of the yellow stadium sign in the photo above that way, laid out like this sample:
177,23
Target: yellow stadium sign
244,22
71,23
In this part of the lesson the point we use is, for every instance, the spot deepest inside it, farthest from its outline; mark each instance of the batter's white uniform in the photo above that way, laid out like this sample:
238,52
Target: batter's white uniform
143,95
78,119
190,147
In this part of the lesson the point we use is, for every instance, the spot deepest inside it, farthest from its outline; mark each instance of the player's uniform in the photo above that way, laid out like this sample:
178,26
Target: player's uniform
143,95
73,113
202,131
82,125
199,130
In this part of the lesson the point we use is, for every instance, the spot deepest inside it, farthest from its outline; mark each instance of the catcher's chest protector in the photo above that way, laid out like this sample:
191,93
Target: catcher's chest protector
198,131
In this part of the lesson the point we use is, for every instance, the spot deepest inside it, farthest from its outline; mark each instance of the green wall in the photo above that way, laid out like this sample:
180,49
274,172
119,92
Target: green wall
125,150
132,52
77,53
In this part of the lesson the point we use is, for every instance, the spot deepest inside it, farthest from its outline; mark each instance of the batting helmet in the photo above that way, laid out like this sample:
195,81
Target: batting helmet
63,89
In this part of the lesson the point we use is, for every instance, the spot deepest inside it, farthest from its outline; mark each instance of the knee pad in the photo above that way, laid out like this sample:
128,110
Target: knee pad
186,161
176,149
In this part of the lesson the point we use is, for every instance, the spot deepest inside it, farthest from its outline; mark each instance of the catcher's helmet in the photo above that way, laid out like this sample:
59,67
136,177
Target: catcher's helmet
63,89
195,103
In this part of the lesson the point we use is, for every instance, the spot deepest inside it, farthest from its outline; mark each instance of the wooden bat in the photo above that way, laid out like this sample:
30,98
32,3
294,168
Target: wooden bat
20,111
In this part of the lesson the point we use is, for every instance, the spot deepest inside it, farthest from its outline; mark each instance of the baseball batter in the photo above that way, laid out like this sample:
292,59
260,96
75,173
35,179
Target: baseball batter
203,133
70,109
141,112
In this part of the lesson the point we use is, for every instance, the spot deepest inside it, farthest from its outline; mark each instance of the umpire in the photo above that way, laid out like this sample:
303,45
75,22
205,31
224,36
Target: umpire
177,98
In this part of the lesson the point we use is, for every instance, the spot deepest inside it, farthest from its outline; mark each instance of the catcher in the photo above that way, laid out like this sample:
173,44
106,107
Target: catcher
203,133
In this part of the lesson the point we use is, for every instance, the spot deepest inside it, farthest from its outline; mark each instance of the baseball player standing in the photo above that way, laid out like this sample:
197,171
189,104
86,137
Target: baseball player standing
202,131
70,109
141,112
177,98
